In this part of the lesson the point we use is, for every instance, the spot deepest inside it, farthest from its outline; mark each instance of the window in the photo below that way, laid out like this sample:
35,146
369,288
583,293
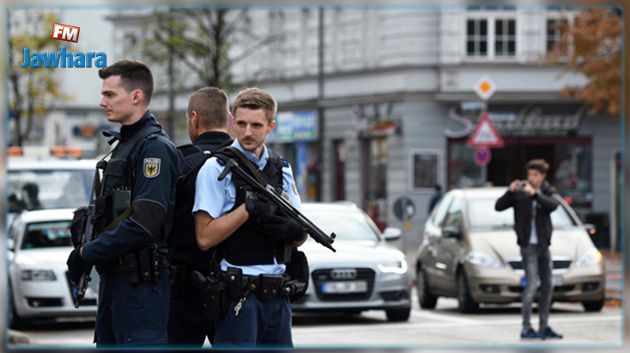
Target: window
424,169
442,206
453,217
477,37
505,37
491,33
554,31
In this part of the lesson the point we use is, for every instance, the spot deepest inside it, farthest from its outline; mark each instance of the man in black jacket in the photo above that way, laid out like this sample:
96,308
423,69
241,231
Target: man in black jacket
533,203
206,118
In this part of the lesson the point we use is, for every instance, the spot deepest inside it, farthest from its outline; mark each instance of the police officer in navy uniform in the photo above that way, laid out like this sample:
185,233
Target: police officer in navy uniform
134,212
206,117
250,237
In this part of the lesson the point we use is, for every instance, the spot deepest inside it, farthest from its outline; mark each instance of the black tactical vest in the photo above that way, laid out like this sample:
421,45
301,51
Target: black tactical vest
119,174
246,246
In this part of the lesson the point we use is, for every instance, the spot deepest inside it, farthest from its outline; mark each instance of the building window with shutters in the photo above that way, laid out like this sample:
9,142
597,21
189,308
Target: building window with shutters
490,32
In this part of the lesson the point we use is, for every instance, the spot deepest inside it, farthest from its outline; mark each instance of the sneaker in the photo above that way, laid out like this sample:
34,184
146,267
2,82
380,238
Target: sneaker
529,333
547,332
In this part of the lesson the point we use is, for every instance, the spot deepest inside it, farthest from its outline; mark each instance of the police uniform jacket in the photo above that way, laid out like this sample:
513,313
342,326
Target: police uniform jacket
152,169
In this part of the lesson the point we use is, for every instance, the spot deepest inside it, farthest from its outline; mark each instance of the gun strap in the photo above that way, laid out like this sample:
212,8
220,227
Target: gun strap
243,161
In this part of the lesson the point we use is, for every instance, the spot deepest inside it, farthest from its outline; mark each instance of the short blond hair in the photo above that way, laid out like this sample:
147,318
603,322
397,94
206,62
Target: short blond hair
255,98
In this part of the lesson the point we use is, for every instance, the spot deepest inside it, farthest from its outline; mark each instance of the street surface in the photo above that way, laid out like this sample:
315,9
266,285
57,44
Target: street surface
498,326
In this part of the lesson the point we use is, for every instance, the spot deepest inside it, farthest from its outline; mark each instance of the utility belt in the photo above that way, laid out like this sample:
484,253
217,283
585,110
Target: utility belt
220,287
141,266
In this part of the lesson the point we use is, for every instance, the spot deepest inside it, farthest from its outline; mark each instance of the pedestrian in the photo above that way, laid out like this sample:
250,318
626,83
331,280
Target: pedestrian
134,212
435,198
533,202
250,235
206,118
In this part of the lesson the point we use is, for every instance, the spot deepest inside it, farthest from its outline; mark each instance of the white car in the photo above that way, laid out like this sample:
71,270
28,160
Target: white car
34,184
365,273
39,287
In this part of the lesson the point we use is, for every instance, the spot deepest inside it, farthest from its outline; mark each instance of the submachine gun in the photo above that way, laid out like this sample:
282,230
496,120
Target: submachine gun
313,230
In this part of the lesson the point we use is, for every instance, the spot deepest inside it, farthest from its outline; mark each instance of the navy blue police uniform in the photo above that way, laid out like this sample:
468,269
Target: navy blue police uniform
130,256
251,319
188,323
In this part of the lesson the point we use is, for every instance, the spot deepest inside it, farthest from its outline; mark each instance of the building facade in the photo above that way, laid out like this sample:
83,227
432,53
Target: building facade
397,105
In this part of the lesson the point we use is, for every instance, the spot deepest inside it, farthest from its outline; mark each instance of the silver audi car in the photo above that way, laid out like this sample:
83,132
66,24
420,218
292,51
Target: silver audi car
366,273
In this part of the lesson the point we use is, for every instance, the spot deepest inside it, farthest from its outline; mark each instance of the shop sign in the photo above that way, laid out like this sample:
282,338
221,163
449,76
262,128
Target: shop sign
295,126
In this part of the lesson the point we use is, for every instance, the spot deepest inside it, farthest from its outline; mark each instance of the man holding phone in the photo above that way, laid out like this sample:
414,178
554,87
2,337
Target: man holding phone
533,203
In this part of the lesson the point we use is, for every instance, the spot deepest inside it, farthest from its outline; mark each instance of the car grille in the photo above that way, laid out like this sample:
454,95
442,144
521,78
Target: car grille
556,289
324,275
557,264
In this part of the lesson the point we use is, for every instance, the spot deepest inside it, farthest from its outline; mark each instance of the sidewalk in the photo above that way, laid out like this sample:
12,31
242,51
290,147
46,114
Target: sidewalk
614,278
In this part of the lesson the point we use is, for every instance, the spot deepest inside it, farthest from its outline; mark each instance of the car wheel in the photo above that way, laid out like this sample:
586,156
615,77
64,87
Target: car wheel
465,301
425,298
397,315
16,322
593,306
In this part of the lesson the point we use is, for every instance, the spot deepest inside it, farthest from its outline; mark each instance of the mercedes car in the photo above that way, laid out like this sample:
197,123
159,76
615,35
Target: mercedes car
365,273
469,252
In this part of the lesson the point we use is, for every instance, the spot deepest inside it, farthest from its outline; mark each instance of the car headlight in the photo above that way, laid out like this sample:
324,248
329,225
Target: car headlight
482,259
396,266
590,258
38,275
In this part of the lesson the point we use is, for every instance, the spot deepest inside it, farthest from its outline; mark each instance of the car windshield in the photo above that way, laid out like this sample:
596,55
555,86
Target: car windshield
481,214
47,189
347,225
47,235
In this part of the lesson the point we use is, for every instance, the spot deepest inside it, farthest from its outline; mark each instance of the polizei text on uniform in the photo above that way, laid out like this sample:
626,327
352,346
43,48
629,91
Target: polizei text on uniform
63,59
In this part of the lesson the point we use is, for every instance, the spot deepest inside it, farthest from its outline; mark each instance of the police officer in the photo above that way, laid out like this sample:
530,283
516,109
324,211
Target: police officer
229,215
206,117
133,215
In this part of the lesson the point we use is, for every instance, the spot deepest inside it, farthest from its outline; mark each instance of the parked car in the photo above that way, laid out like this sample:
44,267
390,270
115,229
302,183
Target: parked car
469,251
38,278
365,273
35,184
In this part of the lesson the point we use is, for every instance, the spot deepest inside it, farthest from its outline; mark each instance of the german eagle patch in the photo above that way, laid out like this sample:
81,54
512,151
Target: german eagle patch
151,167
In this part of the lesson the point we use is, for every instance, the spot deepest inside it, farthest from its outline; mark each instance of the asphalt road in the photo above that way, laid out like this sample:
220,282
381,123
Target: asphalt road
444,327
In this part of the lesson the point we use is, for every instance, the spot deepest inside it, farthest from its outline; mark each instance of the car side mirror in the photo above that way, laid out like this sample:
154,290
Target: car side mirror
10,244
391,233
452,232
590,229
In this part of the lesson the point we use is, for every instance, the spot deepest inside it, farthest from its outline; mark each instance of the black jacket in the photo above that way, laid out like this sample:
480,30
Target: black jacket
522,204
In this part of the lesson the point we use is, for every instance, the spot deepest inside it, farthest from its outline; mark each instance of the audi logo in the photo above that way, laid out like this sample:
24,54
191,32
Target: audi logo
343,273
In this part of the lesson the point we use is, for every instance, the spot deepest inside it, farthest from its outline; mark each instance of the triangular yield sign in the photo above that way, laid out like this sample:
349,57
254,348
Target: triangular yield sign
485,134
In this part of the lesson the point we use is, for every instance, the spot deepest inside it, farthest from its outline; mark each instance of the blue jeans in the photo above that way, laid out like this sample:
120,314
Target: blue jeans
259,322
537,264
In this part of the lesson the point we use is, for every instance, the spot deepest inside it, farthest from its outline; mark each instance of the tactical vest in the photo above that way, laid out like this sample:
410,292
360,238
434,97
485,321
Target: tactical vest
246,246
119,175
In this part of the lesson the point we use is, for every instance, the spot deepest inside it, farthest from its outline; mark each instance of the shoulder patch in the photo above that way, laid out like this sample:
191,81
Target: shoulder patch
151,167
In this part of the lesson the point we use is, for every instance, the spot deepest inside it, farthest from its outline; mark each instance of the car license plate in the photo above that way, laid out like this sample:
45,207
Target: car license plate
341,287
557,281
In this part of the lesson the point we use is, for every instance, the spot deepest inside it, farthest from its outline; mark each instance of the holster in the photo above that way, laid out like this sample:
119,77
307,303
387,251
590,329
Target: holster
299,274
142,265
214,293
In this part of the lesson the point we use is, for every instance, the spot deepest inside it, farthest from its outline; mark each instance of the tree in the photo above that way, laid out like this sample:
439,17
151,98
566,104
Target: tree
592,46
200,41
33,91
